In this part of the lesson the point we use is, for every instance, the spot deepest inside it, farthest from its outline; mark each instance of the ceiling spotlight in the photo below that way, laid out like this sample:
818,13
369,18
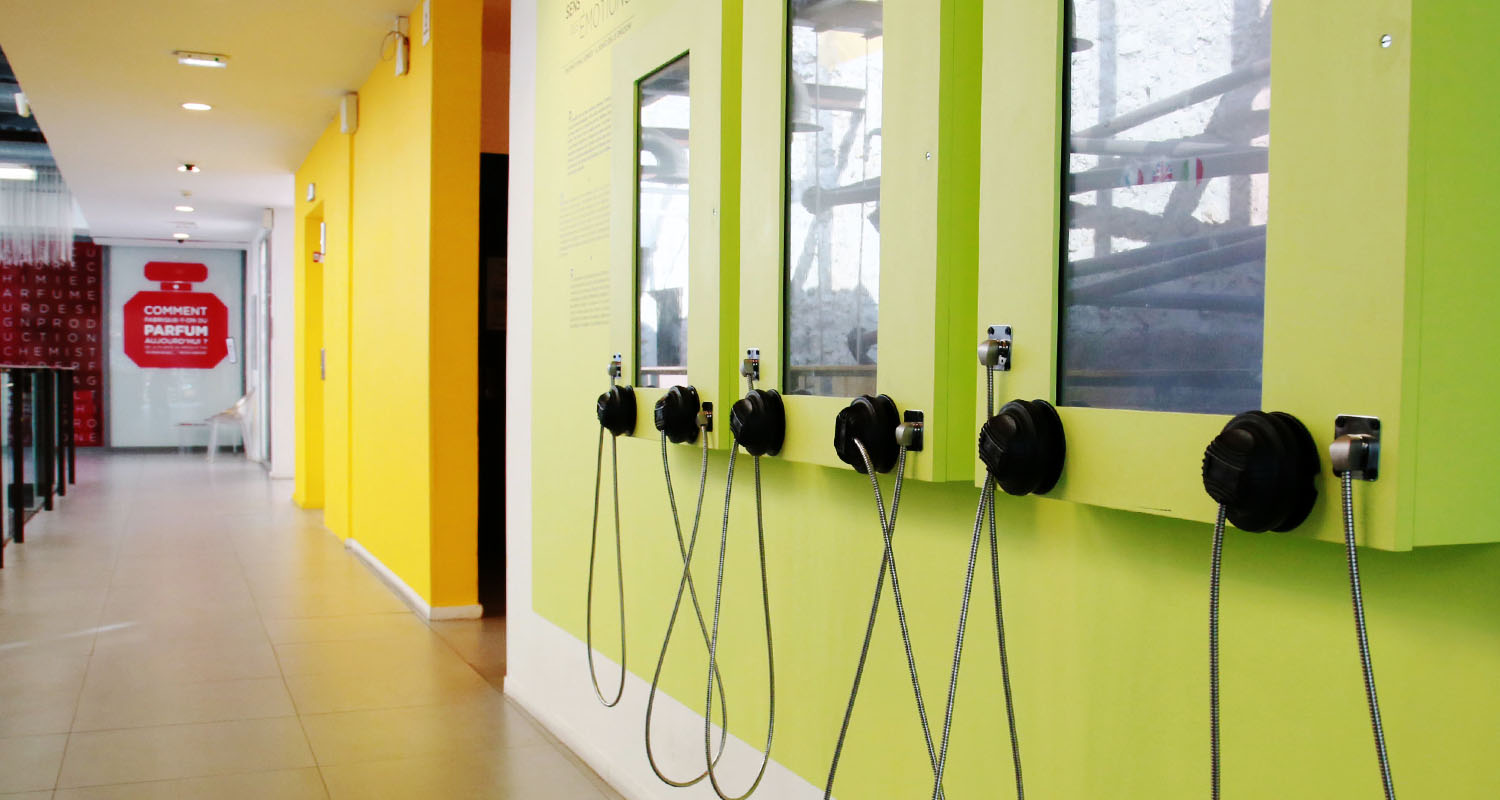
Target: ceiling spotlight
23,107
183,209
197,106
182,236
201,59
17,172
188,167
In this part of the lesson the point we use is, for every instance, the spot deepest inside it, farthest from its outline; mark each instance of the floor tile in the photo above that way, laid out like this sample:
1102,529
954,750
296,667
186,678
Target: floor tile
29,763
480,642
148,702
340,629
297,784
483,726
38,694
418,649
184,751
168,659
318,694
180,630
529,772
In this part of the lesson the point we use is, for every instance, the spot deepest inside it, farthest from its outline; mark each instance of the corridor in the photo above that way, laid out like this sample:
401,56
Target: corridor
177,629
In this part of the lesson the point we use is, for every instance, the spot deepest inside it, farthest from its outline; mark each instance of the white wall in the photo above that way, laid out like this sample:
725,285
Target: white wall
257,339
146,406
283,352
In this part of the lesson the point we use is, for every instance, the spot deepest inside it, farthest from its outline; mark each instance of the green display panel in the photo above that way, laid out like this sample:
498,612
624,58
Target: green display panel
673,268
851,284
1360,316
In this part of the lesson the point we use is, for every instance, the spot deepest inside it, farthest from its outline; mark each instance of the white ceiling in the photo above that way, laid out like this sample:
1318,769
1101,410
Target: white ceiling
107,91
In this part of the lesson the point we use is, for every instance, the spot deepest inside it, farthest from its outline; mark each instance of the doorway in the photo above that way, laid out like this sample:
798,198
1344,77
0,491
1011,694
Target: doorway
310,413
494,179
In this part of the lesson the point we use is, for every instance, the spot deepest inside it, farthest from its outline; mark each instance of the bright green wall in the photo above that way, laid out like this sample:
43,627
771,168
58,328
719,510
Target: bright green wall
1105,609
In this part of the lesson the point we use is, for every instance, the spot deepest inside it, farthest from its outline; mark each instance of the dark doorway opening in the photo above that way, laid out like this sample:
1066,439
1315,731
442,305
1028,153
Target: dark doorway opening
494,181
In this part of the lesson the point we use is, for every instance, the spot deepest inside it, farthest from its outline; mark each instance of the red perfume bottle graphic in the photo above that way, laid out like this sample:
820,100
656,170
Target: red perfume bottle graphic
176,328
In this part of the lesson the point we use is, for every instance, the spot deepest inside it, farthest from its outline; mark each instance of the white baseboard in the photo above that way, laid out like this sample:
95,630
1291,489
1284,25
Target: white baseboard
409,595
553,686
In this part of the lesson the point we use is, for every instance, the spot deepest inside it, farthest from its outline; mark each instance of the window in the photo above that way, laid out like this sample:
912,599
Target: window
662,225
1166,205
833,196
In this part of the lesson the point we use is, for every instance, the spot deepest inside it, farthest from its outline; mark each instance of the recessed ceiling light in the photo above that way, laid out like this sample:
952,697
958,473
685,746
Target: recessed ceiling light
17,172
198,106
201,59
184,209
188,168
181,236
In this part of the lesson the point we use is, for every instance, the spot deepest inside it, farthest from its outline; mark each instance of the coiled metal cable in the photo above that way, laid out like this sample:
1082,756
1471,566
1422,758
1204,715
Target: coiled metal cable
887,562
1363,639
713,643
619,569
986,505
684,584
1213,651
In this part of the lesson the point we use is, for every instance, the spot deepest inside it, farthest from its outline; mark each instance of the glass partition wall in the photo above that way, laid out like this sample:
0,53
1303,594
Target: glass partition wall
1166,205
836,76
663,109
38,444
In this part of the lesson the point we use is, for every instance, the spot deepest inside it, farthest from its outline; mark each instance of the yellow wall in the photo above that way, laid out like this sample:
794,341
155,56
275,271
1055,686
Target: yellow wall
322,323
327,462
401,311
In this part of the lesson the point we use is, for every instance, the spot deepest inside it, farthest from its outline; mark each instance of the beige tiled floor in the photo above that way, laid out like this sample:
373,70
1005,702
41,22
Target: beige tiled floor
180,630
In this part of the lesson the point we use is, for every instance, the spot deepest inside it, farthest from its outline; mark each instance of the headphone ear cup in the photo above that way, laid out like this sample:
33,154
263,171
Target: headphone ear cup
677,414
1054,450
1301,491
1023,447
1262,467
616,410
758,422
873,421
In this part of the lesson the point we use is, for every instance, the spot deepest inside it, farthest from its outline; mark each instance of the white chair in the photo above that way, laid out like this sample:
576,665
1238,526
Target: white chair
239,414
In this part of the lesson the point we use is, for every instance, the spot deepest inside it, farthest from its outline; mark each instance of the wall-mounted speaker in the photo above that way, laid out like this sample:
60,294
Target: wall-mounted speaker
349,113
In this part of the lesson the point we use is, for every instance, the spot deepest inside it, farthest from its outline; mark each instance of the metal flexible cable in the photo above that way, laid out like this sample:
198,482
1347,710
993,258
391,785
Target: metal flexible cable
1010,705
985,498
1364,640
1213,652
713,642
887,562
619,569
685,583
986,505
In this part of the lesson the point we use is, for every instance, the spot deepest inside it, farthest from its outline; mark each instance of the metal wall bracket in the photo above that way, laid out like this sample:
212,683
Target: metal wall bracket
1356,447
994,352
909,432
616,367
751,368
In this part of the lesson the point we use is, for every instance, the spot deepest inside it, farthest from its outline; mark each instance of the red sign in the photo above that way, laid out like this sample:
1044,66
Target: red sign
176,328
85,417
51,315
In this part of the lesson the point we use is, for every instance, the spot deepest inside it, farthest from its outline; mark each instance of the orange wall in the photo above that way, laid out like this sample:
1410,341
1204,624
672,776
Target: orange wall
494,134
